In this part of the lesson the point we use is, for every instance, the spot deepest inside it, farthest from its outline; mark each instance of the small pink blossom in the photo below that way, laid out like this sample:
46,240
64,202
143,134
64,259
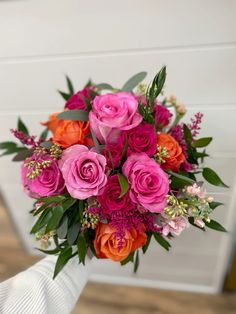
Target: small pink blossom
199,222
196,190
173,225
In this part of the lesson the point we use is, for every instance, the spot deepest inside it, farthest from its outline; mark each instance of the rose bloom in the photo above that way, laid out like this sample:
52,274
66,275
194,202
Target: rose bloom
110,200
162,115
140,139
149,184
53,122
48,183
83,171
112,113
176,156
107,244
77,101
113,153
71,132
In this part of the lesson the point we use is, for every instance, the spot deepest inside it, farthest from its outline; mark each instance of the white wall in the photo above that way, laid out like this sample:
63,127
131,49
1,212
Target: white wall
109,41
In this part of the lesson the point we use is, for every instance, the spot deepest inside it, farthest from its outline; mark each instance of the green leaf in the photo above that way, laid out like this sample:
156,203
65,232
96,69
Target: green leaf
184,179
156,86
134,81
12,150
22,154
69,85
212,177
128,259
73,232
44,134
7,145
81,209
95,141
52,199
50,252
213,205
46,144
104,86
42,220
187,134
57,213
136,261
81,247
202,142
200,155
22,127
65,96
62,260
62,229
165,244
215,225
145,247
124,185
75,115
68,203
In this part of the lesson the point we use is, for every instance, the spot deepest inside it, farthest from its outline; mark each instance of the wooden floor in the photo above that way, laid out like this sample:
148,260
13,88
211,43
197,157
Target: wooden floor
111,299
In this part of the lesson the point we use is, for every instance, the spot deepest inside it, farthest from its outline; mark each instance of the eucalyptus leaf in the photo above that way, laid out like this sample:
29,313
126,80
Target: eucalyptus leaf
82,247
72,233
212,177
44,134
124,185
62,260
75,115
104,86
134,81
22,154
46,144
62,229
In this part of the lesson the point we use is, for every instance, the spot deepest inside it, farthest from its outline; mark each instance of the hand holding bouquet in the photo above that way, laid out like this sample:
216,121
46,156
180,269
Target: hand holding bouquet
118,169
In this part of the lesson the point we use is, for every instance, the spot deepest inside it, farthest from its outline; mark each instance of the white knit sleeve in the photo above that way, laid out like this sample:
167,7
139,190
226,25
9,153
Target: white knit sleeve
35,292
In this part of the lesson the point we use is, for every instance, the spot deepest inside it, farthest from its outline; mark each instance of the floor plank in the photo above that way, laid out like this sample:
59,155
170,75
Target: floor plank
113,299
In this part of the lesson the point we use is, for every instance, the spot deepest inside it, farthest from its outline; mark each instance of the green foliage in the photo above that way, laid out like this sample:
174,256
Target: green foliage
134,81
44,134
156,86
82,247
213,205
212,177
191,221
104,86
146,246
163,242
215,225
202,142
124,185
75,115
136,261
128,259
70,87
62,260
22,127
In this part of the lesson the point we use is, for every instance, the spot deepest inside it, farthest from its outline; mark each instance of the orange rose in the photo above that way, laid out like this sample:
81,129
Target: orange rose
70,132
53,122
106,243
175,154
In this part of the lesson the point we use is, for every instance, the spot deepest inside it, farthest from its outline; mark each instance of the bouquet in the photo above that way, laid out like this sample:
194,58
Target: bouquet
116,168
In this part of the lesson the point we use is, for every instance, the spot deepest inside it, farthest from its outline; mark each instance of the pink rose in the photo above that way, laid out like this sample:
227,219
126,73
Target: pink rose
77,101
112,113
140,139
149,184
48,182
110,200
162,115
113,154
83,171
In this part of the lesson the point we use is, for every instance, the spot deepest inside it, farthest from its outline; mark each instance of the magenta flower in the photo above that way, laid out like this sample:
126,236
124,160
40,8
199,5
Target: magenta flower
140,139
83,171
162,115
49,180
77,101
110,200
113,153
113,113
149,184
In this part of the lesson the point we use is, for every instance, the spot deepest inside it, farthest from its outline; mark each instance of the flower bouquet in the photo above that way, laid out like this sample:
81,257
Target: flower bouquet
118,169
